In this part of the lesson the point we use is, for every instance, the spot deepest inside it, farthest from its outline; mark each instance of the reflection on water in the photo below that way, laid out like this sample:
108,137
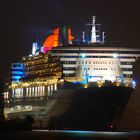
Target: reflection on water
69,135
88,135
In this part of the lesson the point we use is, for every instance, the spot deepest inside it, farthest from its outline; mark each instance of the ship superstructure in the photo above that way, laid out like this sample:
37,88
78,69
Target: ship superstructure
41,74
42,65
106,63
97,60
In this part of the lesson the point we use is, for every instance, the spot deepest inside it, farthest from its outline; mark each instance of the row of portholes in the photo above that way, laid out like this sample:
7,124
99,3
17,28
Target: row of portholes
35,63
97,62
97,68
101,75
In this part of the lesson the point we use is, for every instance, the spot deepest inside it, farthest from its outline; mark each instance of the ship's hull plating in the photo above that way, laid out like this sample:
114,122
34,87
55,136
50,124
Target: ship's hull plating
88,108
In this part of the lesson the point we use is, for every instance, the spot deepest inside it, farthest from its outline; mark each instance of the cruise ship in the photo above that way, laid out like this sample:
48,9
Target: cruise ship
68,84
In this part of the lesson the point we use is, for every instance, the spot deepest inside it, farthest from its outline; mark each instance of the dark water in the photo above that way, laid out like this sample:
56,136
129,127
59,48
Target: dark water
70,135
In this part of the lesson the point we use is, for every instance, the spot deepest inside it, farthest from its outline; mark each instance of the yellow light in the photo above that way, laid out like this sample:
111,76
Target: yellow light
99,85
25,84
86,86
118,84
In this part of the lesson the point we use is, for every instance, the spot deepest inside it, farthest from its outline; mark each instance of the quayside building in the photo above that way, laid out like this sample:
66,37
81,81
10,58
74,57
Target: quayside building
66,79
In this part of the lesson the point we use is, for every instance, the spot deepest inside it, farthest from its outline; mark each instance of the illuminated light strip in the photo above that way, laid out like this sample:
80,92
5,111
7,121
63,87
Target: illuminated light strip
127,60
96,48
69,65
127,72
68,59
69,72
126,66
96,54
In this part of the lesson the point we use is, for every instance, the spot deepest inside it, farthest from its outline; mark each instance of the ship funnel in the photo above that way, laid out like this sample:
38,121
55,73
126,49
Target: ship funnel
65,34
61,36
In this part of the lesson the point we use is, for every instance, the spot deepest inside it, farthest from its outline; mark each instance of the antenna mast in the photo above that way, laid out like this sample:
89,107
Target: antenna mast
93,30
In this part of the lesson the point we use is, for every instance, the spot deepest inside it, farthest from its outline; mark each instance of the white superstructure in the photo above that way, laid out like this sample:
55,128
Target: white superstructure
106,63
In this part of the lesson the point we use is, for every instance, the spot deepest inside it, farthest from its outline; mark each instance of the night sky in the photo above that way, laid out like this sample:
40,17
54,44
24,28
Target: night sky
23,21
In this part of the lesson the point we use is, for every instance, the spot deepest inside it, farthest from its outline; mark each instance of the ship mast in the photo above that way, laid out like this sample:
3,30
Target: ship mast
93,30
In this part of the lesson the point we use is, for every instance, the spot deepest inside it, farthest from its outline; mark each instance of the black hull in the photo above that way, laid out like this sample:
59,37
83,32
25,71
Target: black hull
89,109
